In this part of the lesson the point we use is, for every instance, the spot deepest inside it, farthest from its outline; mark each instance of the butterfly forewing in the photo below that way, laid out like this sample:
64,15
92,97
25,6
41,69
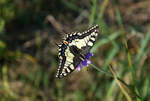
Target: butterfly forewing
69,61
86,38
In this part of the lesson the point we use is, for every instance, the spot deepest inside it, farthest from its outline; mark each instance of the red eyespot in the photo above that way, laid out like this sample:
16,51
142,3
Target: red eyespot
65,42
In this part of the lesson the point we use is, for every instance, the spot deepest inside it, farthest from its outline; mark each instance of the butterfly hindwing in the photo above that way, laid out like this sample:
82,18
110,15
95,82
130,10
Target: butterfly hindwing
69,61
66,60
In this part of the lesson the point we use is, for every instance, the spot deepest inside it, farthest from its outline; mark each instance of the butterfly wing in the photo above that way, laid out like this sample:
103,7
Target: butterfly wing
85,40
67,62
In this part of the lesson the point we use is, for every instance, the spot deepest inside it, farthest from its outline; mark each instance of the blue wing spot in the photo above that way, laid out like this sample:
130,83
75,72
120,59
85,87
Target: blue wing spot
63,49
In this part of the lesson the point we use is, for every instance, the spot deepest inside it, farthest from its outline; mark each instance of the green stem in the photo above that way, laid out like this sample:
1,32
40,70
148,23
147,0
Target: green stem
101,70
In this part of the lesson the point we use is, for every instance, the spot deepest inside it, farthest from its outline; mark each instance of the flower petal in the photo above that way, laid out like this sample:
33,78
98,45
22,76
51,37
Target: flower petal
88,55
88,61
79,67
84,63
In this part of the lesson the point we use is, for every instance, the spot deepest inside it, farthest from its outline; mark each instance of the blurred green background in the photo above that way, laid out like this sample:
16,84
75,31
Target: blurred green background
29,30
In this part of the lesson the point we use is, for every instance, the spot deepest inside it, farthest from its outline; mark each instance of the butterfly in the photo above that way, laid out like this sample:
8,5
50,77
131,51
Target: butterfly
74,49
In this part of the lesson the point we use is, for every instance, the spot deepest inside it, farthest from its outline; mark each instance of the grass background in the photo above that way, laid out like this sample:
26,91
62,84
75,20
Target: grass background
28,54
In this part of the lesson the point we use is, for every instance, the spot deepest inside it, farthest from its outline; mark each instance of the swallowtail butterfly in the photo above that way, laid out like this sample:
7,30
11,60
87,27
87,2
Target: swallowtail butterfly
73,49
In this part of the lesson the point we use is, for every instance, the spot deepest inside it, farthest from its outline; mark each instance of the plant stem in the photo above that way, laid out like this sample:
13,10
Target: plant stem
101,70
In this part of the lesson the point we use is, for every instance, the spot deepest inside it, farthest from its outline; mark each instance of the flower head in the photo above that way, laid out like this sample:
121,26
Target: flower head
85,62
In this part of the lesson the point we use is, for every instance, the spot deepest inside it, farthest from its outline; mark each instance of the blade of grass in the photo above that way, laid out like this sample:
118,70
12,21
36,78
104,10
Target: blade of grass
100,18
111,54
2,24
93,12
7,87
112,87
143,45
145,87
110,91
123,88
104,27
102,9
100,42
71,5
80,95
119,20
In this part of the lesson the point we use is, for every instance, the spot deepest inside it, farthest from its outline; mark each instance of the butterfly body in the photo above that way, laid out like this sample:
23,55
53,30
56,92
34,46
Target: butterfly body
73,50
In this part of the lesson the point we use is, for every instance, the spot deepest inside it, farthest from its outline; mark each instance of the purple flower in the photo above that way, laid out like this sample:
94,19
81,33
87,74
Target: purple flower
85,62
